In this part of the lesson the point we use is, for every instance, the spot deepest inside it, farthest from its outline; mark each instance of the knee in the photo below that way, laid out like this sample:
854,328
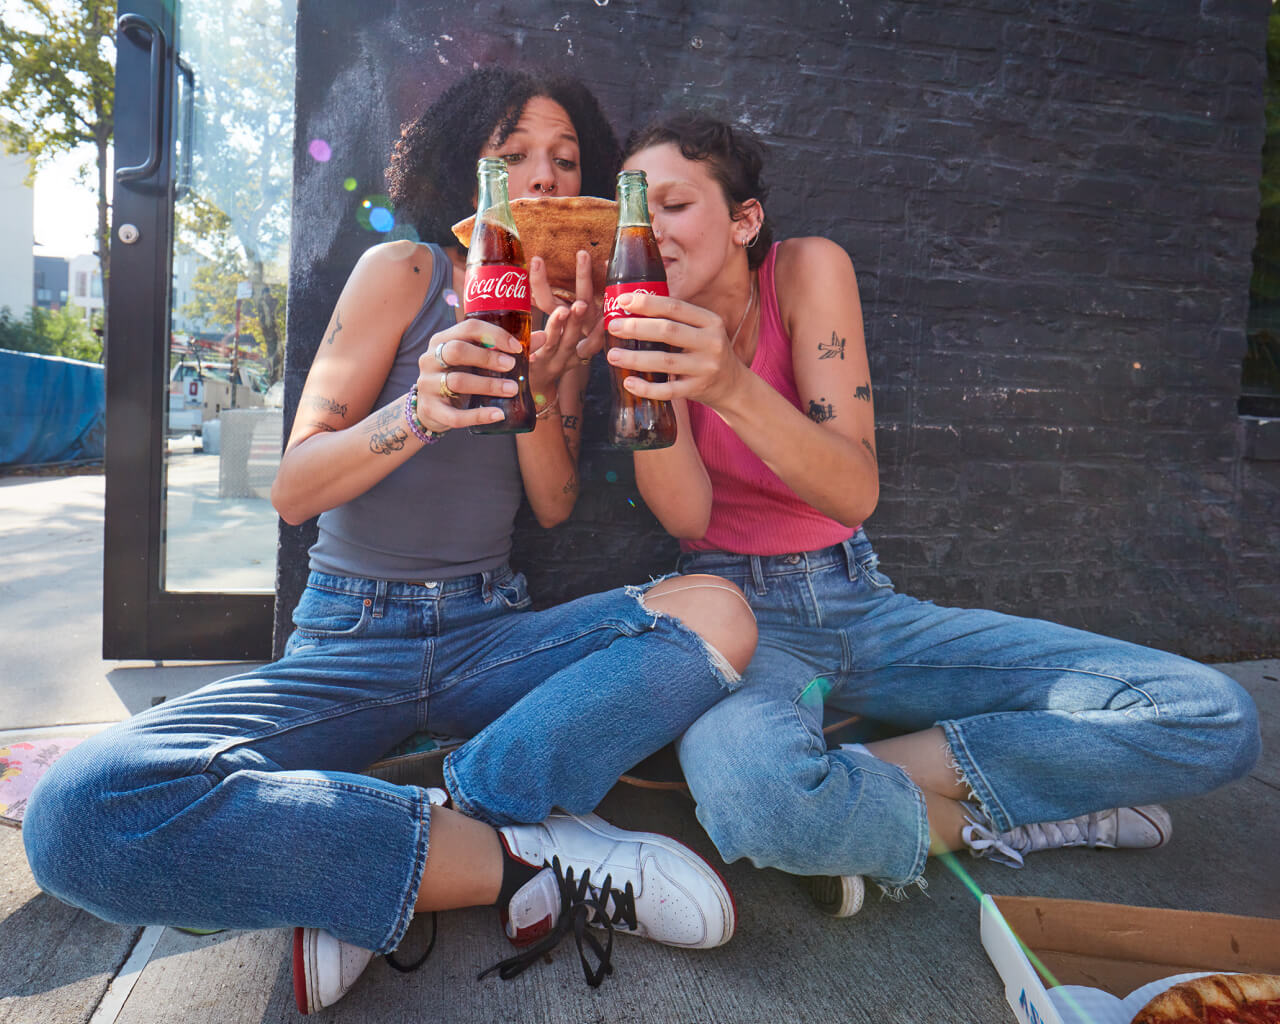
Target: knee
712,607
58,819
1217,724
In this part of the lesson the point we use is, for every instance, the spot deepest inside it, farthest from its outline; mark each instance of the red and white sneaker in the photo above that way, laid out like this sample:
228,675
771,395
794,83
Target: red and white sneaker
324,968
647,884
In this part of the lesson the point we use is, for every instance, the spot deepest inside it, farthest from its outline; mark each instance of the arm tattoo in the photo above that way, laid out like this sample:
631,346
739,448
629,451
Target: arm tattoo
324,426
833,349
337,326
569,422
572,486
328,405
387,435
867,445
864,392
821,410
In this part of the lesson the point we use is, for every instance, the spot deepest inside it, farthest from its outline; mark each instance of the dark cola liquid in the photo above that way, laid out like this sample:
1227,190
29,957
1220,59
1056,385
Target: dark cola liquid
636,422
498,246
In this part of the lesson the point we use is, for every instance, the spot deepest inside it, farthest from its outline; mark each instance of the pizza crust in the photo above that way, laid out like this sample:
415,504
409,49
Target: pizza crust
555,228
1214,998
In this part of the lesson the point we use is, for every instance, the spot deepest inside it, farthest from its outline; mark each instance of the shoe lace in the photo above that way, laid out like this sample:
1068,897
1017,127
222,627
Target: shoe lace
406,968
582,903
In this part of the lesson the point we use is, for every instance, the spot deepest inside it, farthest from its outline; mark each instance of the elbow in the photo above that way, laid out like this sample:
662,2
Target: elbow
290,512
861,507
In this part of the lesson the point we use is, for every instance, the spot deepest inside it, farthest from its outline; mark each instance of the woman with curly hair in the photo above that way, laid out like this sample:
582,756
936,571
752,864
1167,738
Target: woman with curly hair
412,620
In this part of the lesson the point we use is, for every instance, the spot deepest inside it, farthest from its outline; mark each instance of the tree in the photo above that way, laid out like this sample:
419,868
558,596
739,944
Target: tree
61,89
60,333
237,215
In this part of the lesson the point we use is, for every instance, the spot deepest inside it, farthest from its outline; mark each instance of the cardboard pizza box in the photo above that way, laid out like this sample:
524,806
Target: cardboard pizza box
1077,962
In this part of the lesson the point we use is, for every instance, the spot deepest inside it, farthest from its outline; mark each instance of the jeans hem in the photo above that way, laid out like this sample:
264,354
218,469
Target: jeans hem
978,785
406,910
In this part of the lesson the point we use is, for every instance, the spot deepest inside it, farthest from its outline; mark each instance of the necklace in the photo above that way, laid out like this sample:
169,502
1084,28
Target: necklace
750,301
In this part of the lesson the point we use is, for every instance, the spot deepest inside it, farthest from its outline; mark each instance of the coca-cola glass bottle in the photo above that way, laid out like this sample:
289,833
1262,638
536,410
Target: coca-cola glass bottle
635,266
497,291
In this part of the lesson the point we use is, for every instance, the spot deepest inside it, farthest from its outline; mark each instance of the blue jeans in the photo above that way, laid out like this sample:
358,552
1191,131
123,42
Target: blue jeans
240,806
1045,722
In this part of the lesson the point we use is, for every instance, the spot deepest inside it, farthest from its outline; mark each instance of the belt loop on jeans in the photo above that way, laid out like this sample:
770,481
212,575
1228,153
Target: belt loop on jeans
486,584
757,574
850,561
379,598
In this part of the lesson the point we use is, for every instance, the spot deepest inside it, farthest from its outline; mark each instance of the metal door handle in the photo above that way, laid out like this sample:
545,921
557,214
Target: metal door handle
126,25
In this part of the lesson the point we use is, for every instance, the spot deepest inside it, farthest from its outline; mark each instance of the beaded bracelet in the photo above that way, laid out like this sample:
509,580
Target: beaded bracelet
547,409
423,434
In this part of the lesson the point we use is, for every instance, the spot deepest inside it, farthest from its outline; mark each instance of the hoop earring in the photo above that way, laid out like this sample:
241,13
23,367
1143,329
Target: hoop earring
754,238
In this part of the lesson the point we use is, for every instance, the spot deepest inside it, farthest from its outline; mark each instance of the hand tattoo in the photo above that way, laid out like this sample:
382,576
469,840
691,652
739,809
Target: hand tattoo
833,349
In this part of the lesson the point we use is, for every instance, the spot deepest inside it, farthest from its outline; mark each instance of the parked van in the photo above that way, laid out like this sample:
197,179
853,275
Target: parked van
200,389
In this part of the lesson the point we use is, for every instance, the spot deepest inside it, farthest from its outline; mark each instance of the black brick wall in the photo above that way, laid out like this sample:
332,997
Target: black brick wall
1051,208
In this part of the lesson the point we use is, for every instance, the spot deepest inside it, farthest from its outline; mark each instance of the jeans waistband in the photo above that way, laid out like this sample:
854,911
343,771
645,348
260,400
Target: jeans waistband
847,555
427,590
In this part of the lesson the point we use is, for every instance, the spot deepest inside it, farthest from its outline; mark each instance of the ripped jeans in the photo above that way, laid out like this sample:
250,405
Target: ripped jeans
1045,722
240,806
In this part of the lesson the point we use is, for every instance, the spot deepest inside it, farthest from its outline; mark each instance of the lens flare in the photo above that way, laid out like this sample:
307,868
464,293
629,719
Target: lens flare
374,214
450,297
349,184
320,150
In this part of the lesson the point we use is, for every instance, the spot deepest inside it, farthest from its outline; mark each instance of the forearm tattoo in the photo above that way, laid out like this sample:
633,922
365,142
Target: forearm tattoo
569,422
328,405
387,433
833,349
572,486
337,326
821,411
867,445
863,393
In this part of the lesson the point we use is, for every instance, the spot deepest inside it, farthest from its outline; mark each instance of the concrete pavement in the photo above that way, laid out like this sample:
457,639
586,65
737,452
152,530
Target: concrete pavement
915,961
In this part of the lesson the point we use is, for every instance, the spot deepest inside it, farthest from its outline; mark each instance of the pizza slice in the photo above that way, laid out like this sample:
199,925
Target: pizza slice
1217,999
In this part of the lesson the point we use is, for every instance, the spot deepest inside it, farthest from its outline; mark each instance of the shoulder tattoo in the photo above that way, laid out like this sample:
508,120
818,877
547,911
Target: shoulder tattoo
833,349
821,410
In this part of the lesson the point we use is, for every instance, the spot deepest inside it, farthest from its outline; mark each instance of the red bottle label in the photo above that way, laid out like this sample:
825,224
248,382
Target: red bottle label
614,292
494,287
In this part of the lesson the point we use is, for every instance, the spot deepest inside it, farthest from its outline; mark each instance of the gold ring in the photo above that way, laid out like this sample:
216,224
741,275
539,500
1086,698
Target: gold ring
445,390
439,354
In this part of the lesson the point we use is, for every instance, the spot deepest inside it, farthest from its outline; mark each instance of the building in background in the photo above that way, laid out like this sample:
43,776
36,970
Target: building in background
50,286
85,291
17,228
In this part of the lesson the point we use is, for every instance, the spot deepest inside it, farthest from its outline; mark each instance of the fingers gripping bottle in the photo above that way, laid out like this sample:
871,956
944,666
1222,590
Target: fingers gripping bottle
635,266
497,292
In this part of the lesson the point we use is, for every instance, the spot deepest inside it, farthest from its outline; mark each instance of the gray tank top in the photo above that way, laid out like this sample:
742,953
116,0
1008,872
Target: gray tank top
450,510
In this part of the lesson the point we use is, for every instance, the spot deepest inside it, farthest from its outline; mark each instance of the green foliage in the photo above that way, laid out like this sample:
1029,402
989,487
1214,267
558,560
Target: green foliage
62,333
1262,361
61,88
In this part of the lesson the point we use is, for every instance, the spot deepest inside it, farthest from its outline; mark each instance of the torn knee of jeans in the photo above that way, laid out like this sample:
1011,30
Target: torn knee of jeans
730,678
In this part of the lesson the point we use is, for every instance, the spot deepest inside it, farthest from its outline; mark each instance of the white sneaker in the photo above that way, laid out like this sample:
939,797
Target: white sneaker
838,895
640,882
1127,828
324,968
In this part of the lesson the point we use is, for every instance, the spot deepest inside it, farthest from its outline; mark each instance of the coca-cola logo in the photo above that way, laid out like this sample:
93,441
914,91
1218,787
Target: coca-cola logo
614,292
496,287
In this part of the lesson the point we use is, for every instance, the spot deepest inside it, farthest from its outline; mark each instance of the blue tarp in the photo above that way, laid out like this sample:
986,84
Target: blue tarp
51,409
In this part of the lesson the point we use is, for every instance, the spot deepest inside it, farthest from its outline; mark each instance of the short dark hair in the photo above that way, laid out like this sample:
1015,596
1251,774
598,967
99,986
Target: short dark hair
735,154
432,175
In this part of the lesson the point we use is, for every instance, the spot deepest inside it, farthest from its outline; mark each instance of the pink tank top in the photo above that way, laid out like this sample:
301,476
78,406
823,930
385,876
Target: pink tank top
752,511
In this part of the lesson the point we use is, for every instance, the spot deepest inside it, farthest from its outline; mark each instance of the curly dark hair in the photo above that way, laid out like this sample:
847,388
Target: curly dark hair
432,176
735,154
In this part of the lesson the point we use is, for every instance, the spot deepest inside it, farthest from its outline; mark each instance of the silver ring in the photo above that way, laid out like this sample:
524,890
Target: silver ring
439,354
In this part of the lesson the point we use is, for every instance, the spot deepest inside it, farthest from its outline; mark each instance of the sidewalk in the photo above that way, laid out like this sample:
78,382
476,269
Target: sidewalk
906,962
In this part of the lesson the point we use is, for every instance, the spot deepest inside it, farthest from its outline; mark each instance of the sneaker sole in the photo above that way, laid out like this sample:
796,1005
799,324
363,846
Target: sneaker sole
838,895
300,963
728,910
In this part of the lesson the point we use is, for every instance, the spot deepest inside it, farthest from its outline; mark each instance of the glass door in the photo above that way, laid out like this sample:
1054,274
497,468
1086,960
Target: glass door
195,341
